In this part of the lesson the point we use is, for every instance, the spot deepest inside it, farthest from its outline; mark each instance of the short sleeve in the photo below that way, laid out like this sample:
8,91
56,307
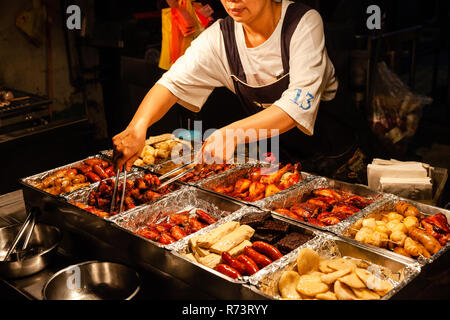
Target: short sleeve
311,72
194,75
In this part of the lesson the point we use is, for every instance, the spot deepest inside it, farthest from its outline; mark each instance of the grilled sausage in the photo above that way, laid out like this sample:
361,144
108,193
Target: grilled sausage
261,260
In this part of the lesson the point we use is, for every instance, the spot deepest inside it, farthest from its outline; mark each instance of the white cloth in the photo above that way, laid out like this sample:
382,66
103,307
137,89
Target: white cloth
204,66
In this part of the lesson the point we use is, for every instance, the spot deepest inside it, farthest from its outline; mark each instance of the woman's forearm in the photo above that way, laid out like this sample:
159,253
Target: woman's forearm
267,123
155,105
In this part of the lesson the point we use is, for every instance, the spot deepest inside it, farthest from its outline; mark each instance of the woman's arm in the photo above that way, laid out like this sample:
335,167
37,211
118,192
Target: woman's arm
220,146
128,144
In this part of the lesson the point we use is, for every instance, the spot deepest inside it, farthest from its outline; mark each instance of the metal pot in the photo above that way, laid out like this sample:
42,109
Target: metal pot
39,254
93,280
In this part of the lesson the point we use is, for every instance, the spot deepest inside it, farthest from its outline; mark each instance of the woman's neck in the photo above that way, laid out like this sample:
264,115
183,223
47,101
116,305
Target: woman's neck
261,28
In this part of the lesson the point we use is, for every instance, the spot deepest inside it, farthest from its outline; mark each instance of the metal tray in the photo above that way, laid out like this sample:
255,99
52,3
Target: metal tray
219,284
231,176
402,271
102,237
299,193
33,180
82,195
389,205
183,200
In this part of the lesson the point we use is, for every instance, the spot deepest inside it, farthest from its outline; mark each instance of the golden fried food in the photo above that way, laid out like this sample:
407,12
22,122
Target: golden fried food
411,221
342,264
363,274
349,280
402,251
332,277
287,285
406,209
330,296
429,242
323,266
307,261
394,216
365,294
311,285
343,292
352,281
413,248
398,238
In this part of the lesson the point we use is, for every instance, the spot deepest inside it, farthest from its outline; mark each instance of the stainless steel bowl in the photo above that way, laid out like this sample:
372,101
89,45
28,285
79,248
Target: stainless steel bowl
39,254
93,280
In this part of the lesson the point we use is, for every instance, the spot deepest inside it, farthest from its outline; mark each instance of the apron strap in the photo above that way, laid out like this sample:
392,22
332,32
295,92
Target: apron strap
294,14
229,38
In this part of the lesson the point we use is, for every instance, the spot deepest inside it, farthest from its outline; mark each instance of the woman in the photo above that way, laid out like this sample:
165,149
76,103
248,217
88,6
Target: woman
272,55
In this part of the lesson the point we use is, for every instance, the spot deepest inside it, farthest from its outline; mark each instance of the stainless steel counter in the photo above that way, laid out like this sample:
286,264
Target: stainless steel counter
12,211
432,283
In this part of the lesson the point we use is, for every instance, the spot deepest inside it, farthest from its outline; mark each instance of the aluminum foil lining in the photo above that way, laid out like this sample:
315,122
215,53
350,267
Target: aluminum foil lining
389,205
167,166
266,282
38,178
82,195
159,211
231,176
298,193
182,247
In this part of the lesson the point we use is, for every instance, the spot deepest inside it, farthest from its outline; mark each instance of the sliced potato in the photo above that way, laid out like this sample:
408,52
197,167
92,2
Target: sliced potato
342,264
323,266
363,274
353,281
343,292
307,261
365,294
310,285
287,285
326,296
332,277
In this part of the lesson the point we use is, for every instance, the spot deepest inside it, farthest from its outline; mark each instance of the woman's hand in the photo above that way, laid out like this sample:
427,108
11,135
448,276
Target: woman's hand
128,146
218,148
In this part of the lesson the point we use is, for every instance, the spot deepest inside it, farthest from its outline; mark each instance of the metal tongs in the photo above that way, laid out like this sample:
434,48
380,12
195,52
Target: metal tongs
29,223
116,186
177,177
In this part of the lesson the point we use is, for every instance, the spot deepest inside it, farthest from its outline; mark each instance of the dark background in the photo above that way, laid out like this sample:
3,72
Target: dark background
124,67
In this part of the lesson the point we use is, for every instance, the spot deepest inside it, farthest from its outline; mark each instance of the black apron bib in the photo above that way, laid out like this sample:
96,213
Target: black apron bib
294,144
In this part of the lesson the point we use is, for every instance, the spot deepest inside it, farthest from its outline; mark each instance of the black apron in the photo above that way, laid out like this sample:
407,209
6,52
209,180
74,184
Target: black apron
332,142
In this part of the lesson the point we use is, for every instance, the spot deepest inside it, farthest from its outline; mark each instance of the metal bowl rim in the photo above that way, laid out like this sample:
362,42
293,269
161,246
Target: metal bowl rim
55,245
135,292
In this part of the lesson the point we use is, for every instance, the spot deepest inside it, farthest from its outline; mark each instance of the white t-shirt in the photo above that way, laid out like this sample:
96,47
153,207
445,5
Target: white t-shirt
204,67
